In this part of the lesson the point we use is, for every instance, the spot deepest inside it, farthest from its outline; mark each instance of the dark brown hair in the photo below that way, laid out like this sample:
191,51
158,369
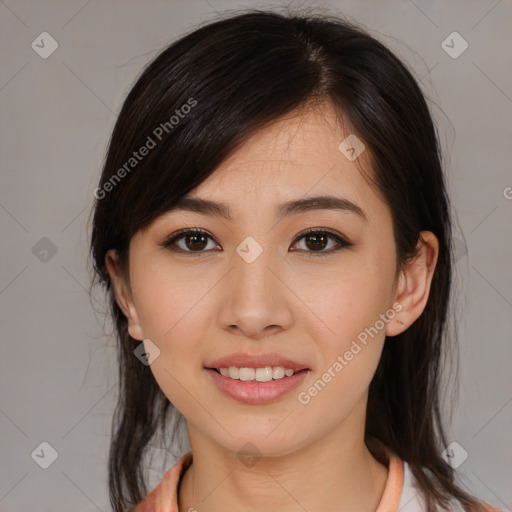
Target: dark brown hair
236,75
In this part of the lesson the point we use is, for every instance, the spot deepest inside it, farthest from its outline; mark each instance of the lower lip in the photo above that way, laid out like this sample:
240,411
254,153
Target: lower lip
254,392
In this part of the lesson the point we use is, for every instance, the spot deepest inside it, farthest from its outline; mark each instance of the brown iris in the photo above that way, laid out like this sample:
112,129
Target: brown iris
319,241
199,243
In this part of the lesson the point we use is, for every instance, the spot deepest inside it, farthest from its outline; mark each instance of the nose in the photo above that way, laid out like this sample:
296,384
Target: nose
255,299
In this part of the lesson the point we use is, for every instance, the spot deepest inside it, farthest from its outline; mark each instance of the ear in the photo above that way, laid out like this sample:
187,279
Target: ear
414,282
123,294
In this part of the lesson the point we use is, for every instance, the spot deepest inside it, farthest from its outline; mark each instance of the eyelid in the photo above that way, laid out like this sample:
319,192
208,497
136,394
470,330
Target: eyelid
325,231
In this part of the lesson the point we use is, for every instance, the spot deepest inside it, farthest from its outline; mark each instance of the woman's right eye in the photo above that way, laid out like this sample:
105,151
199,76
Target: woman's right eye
188,241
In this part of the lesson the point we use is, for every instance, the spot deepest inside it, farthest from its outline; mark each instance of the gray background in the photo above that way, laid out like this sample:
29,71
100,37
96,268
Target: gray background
57,378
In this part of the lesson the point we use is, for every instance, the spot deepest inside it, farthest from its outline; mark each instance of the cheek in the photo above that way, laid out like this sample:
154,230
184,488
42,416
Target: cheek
168,305
174,311
349,349
344,309
166,299
347,325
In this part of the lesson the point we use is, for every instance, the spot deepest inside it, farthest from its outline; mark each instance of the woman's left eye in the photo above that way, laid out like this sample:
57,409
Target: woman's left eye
195,242
317,241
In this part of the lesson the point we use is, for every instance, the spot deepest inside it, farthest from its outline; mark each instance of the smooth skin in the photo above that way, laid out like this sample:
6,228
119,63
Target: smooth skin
308,308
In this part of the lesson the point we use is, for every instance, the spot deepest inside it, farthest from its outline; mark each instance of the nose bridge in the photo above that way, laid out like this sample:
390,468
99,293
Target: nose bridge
251,271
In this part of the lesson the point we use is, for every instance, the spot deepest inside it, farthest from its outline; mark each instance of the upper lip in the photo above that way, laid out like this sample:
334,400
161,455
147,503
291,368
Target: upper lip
245,360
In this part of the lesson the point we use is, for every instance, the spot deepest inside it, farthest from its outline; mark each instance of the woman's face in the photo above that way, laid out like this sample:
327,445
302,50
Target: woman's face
256,285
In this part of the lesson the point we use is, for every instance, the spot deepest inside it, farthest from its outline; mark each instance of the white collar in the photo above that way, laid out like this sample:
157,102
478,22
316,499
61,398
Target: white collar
411,498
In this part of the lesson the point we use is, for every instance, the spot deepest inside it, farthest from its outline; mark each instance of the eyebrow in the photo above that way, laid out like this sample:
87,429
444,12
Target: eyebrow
207,207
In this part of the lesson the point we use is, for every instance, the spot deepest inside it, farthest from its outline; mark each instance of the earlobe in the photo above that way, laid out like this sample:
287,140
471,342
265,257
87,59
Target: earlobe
123,294
413,287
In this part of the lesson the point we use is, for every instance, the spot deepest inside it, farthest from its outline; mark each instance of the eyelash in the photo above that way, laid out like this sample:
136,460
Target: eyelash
182,233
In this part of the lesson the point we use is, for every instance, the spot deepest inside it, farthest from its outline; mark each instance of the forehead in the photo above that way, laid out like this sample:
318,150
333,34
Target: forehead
293,157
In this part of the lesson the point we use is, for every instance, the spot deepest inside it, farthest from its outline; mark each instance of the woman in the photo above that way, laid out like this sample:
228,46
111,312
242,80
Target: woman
273,230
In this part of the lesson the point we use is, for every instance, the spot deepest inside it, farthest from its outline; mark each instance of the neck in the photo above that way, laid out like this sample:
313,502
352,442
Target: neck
334,473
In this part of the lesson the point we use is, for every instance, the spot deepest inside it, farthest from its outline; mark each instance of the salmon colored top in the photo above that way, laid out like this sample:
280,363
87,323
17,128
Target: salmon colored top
401,492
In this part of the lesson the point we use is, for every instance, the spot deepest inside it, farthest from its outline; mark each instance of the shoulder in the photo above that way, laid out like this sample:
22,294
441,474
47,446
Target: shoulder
412,500
164,497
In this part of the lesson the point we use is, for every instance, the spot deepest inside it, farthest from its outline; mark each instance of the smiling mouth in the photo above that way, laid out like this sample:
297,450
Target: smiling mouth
263,374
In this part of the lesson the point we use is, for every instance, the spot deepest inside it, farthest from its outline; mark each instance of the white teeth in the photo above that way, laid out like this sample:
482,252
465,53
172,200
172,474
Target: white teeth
247,373
265,374
278,372
234,372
